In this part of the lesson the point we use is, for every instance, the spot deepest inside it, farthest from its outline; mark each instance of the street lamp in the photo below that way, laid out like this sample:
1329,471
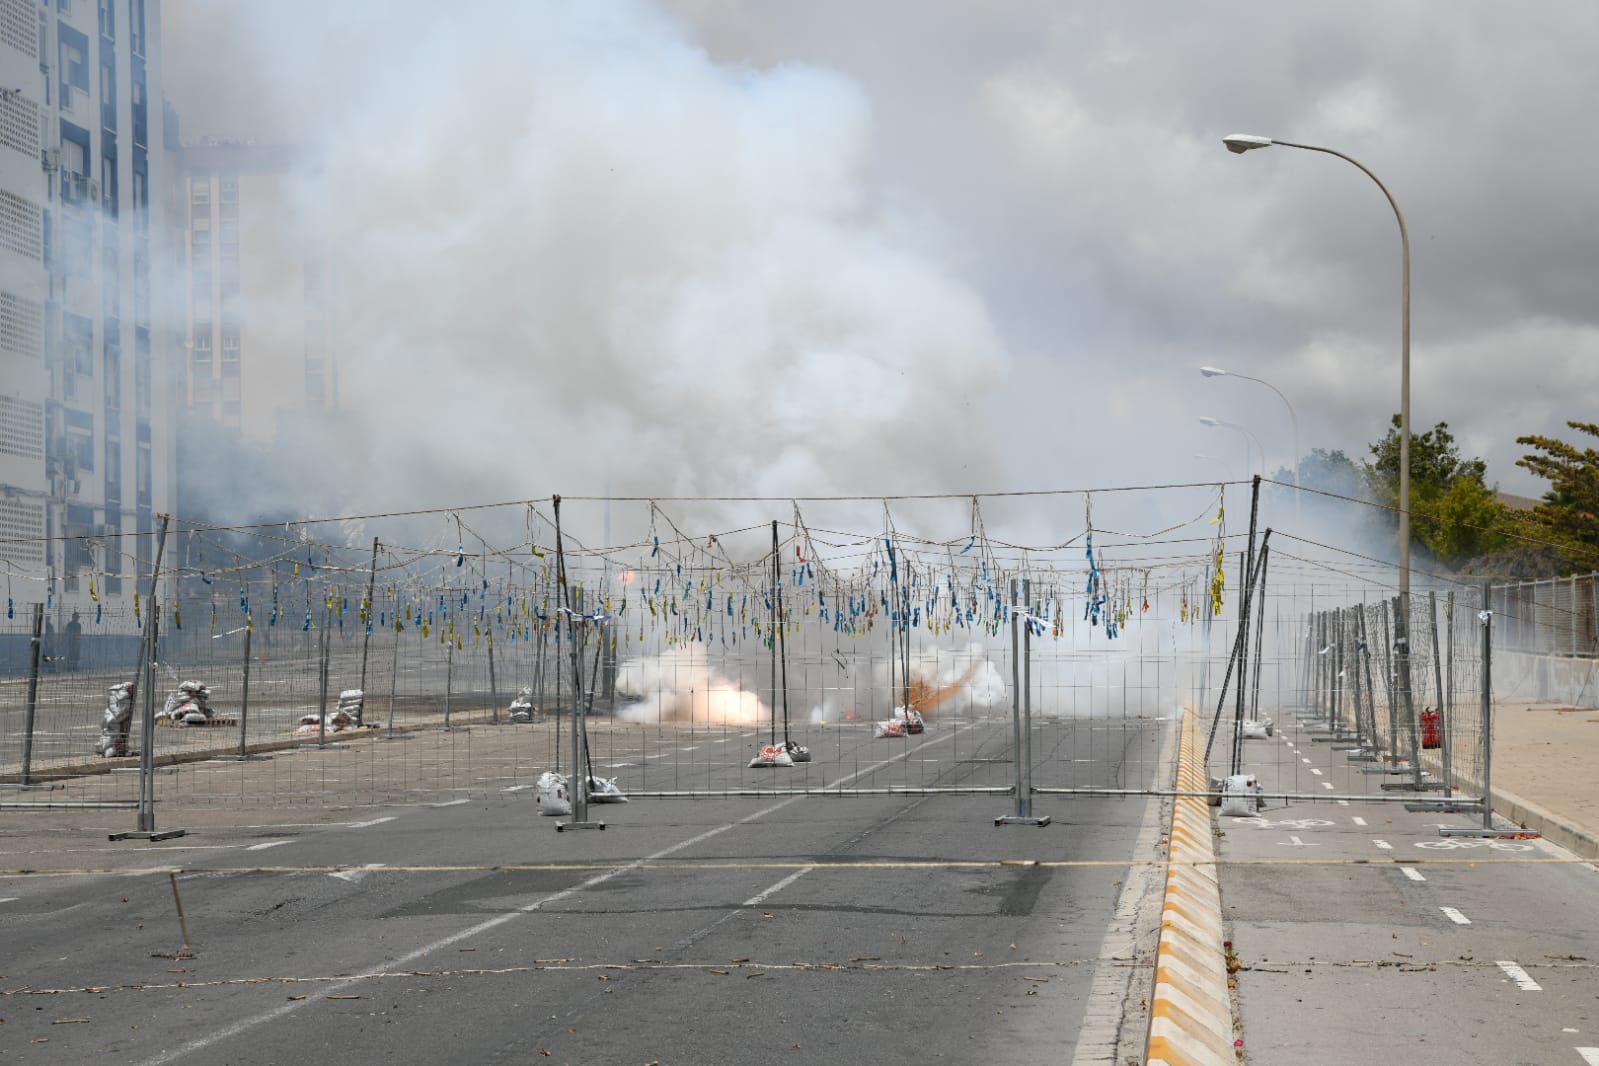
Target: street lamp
1240,143
1293,419
1249,463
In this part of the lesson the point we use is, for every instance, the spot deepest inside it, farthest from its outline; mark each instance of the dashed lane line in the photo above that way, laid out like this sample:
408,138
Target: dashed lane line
1455,916
244,1025
1412,873
1523,980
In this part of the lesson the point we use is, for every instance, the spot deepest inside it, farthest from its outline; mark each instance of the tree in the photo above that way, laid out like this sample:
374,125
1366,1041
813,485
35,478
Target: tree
1453,512
1327,471
1569,513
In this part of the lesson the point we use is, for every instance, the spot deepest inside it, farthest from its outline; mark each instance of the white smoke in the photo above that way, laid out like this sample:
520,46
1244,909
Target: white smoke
562,231
680,685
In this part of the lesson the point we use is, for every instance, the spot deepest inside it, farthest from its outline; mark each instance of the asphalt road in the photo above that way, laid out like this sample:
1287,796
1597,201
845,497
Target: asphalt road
1362,934
785,928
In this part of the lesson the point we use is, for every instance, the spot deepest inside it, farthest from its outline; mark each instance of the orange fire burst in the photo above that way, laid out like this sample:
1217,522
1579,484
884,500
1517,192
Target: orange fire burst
925,696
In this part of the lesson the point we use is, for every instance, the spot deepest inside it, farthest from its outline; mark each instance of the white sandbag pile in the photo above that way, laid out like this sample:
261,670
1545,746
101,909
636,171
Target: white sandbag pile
350,701
117,721
771,755
605,790
338,721
522,706
1241,796
553,797
189,705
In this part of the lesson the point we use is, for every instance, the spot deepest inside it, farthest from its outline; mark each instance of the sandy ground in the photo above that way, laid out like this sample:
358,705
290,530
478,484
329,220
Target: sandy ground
1548,754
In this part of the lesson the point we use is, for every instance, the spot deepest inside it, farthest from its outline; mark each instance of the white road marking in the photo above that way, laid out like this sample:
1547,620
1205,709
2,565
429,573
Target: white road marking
368,825
1412,873
450,803
268,844
1295,842
1455,916
1357,820
1523,980
1342,803
9,899
1384,845
243,1025
353,876
1590,1055
760,897
1314,770
1304,760
516,788
1327,785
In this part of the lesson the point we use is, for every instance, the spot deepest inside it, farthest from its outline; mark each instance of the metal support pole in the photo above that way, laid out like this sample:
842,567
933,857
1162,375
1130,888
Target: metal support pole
366,616
569,605
322,675
1487,706
34,650
1487,828
146,680
1446,713
244,698
1021,715
244,709
147,722
449,679
494,698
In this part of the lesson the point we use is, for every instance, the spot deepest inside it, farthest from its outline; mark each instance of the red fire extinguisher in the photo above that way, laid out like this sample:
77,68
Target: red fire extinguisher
1432,730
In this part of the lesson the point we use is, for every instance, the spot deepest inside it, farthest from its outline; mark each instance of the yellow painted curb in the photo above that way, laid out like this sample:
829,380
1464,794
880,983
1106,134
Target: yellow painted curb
1191,1019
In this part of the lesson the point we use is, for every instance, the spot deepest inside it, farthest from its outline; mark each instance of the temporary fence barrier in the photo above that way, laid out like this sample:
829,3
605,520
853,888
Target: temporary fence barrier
351,676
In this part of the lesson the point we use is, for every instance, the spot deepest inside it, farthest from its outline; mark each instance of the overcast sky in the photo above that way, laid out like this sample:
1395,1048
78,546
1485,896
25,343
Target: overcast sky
728,247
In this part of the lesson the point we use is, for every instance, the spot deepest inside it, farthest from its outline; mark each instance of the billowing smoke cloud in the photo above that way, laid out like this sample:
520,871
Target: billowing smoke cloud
681,685
571,251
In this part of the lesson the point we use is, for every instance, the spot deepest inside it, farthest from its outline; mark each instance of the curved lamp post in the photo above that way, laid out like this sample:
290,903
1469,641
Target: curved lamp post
1293,419
1249,462
1245,142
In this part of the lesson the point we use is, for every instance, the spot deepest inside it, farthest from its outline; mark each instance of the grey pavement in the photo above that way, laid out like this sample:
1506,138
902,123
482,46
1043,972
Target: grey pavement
1361,933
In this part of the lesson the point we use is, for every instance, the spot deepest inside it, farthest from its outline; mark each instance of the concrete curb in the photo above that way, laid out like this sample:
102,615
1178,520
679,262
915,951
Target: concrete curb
1191,1014
1579,840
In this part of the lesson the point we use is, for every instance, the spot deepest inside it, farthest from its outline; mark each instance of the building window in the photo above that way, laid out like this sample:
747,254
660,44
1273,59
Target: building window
77,343
74,57
108,19
136,26
142,476
199,190
108,97
113,383
230,190
79,443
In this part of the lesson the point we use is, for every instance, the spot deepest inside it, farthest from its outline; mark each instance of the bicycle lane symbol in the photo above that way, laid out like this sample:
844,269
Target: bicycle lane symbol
1459,844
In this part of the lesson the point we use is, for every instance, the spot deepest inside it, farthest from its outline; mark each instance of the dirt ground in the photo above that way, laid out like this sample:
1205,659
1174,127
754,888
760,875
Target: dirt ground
1548,754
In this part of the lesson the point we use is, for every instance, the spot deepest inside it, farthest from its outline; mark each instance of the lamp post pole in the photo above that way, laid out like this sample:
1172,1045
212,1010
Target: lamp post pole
1293,420
1242,142
1249,461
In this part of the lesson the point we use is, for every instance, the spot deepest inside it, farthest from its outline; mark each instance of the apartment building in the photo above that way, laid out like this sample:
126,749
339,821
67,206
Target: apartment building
86,389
